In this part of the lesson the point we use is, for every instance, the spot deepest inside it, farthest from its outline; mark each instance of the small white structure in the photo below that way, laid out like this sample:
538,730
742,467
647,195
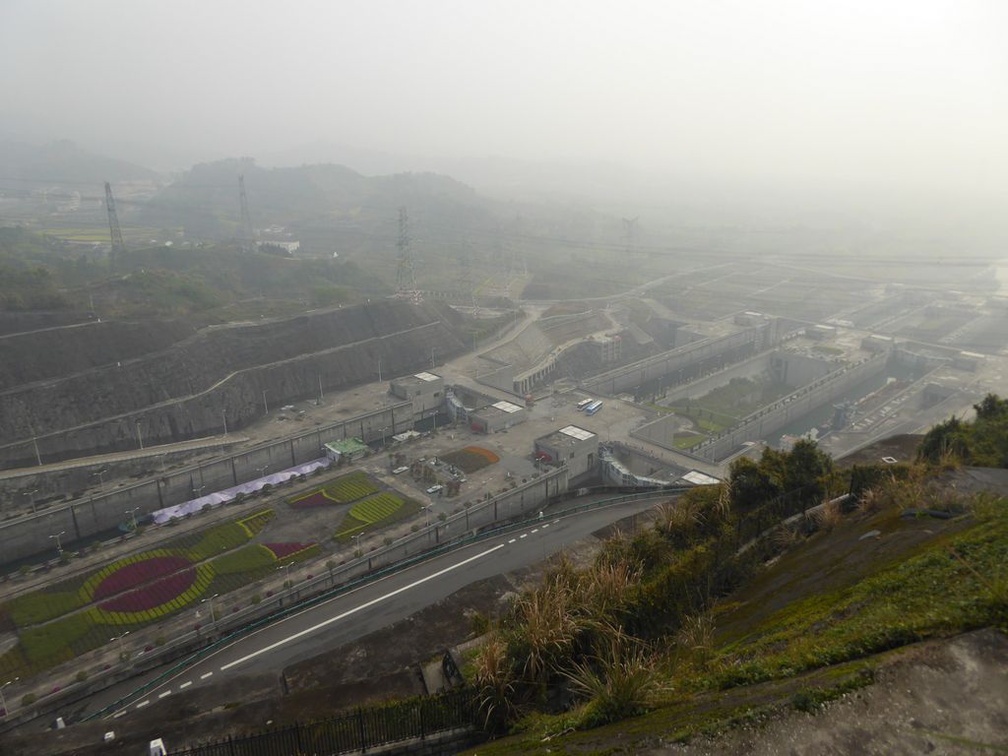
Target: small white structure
157,748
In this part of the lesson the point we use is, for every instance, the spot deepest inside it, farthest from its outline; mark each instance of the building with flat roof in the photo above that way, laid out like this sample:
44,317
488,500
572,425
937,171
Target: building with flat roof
496,416
425,390
347,449
574,447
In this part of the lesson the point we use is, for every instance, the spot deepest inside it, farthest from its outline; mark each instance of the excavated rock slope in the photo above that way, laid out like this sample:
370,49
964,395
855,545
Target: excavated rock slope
82,390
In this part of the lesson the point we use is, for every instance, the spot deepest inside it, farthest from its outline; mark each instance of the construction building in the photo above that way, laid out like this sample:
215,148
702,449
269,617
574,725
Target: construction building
425,390
496,417
574,447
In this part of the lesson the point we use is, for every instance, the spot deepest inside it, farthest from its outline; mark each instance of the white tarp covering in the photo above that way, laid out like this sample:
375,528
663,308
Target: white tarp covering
217,498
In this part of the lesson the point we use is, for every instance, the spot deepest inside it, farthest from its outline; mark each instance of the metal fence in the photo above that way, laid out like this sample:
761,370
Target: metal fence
355,731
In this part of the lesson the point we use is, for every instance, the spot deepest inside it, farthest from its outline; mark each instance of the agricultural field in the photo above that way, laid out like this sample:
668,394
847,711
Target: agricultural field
380,510
471,458
77,615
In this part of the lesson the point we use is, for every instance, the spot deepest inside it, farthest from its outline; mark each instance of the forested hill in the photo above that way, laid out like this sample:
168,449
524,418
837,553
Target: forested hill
26,166
204,198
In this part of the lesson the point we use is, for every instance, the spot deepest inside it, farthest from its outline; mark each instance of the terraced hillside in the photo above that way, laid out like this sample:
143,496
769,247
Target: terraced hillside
74,406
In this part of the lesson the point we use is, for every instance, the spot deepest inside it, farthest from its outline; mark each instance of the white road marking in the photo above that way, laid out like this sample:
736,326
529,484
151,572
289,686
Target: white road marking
523,535
119,714
143,703
163,695
512,540
535,530
185,685
356,609
204,677
546,526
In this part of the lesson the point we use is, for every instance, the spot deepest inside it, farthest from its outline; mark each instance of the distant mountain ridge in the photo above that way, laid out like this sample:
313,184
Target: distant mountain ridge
64,162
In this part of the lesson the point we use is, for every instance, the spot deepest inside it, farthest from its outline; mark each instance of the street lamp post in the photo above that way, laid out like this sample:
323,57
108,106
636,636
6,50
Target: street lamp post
122,650
357,538
59,545
132,514
209,601
196,491
262,470
223,414
265,405
286,570
31,498
101,479
139,435
3,700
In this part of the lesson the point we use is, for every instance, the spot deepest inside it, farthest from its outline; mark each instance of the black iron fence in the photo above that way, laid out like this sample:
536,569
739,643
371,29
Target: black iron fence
358,730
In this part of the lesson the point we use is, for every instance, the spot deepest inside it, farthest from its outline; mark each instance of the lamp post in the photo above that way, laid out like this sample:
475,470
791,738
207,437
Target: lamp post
59,545
379,371
223,414
3,700
262,470
196,491
265,405
213,617
139,435
31,498
122,650
286,570
132,514
101,479
357,538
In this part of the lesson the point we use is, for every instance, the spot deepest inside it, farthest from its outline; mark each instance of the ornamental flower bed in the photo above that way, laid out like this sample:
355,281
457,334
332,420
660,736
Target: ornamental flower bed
351,487
471,458
383,509
284,550
138,590
132,575
152,596
315,499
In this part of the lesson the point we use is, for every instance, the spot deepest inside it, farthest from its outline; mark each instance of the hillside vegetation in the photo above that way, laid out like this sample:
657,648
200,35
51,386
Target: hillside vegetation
719,612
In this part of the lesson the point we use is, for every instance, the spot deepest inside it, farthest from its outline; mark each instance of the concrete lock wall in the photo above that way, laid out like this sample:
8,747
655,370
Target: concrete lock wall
654,368
29,535
769,419
795,405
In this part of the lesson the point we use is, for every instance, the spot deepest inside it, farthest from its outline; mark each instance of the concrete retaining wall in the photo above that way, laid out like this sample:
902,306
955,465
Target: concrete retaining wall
29,535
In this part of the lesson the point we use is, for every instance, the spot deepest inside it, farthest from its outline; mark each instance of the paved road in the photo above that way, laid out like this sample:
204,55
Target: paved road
351,616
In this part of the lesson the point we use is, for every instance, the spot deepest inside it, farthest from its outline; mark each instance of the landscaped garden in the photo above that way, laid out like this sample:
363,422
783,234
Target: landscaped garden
79,614
471,458
343,490
381,509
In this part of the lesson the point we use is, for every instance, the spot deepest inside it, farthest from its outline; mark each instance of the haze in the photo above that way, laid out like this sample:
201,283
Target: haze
897,96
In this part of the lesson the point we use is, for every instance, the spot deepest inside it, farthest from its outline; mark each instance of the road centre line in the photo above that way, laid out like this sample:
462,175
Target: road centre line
185,685
535,530
523,535
119,714
512,540
143,703
204,677
165,694
363,606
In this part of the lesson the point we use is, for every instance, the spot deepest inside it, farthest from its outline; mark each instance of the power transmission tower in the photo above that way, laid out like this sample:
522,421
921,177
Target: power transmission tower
466,285
630,234
113,220
406,286
245,230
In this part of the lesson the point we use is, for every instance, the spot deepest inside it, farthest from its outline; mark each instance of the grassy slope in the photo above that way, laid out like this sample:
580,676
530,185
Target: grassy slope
815,624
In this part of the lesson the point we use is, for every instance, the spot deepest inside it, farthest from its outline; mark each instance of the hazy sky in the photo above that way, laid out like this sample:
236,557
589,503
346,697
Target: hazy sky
909,93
